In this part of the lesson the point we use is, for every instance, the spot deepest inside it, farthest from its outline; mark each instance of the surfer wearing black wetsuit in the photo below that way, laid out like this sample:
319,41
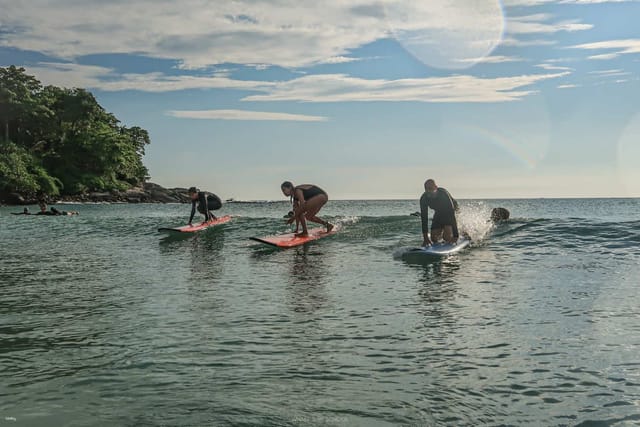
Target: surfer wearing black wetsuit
444,222
43,209
206,202
307,201
25,211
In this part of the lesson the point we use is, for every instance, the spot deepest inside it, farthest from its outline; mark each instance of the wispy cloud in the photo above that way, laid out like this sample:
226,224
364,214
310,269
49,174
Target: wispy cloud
308,88
609,73
494,59
244,115
551,67
106,79
567,86
513,42
340,60
535,24
513,3
620,47
604,56
461,88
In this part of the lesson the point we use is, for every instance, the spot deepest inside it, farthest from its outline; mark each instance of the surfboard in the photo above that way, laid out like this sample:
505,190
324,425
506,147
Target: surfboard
196,227
438,250
289,240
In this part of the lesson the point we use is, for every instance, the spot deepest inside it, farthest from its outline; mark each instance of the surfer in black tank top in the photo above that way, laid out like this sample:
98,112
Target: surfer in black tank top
307,201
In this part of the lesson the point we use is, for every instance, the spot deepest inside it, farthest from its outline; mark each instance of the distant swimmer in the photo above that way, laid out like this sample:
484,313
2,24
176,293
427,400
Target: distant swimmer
25,211
206,202
444,224
43,209
53,211
307,201
57,212
499,214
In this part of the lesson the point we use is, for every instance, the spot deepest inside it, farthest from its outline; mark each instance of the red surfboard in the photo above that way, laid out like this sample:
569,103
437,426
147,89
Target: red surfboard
290,240
198,227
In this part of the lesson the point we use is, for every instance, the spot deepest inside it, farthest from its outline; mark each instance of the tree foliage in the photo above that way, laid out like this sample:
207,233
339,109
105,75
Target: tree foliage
61,141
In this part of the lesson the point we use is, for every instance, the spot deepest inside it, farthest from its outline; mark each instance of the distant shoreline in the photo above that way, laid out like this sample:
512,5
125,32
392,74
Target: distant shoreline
147,193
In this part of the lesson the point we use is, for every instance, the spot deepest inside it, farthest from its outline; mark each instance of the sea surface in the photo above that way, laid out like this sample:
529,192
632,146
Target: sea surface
105,322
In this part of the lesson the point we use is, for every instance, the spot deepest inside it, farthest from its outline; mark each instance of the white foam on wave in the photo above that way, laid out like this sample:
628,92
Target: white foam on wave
347,220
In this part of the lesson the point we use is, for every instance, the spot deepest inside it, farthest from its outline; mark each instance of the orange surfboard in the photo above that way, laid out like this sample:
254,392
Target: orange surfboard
289,240
198,227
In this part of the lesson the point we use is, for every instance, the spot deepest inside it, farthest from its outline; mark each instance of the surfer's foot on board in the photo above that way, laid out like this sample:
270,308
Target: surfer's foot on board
303,234
329,227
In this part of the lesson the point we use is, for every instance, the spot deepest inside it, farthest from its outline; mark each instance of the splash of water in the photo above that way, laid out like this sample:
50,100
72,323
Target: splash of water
474,220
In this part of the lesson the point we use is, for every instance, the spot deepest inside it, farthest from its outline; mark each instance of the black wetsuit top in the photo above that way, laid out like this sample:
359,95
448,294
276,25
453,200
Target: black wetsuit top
444,207
202,202
309,192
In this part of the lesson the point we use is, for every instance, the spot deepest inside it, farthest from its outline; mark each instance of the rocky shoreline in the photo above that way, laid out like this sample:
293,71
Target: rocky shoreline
147,193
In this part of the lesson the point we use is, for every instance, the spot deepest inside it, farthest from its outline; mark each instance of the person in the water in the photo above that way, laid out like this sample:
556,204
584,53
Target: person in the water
53,211
58,212
206,202
500,214
43,209
444,224
25,211
307,200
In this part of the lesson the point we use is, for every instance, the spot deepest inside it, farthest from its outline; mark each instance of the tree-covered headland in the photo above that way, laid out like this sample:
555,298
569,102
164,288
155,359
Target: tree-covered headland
59,141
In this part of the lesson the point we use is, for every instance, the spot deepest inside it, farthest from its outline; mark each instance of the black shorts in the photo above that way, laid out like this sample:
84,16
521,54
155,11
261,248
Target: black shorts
213,203
440,220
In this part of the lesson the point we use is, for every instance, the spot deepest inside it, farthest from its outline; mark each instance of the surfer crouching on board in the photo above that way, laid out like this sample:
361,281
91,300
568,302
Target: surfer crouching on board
307,201
206,202
444,224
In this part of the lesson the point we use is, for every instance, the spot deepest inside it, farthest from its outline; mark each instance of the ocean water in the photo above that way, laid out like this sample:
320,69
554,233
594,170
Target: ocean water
104,322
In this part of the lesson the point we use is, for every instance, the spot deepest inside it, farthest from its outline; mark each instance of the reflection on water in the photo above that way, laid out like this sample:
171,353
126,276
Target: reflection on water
207,259
306,288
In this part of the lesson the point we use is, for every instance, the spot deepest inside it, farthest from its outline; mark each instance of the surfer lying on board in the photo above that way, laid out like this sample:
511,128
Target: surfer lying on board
25,211
53,211
444,224
206,202
307,201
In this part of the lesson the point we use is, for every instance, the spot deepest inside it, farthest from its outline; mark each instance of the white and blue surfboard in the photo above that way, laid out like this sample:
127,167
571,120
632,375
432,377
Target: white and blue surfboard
439,250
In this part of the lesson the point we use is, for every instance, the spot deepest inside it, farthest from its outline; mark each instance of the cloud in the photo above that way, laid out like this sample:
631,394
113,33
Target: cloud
604,56
243,115
513,42
534,24
460,88
609,73
525,3
308,88
550,67
106,79
200,33
620,47
494,59
340,60
568,86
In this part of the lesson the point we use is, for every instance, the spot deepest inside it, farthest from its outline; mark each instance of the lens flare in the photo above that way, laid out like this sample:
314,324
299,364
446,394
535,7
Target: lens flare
629,157
447,34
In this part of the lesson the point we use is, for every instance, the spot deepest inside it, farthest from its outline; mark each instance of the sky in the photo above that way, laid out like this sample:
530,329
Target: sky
364,98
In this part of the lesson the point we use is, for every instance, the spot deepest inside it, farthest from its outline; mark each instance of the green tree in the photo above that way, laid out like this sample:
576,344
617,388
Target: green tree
18,98
63,140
